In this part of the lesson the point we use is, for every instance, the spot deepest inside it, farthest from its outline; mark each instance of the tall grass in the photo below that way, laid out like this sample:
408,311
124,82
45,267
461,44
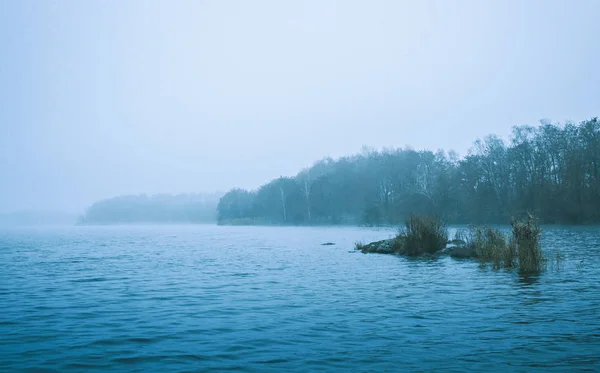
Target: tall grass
428,234
521,249
358,245
423,235
491,246
526,240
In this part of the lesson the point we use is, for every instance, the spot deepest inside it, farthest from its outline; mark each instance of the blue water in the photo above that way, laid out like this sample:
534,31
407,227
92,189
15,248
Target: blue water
202,298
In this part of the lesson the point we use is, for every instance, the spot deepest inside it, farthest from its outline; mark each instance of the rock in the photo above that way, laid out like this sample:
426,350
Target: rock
443,252
391,246
328,244
456,251
379,247
462,252
457,242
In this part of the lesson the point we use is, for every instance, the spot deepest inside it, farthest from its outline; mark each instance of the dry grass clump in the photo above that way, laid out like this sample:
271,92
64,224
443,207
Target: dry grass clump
422,235
521,249
526,241
491,247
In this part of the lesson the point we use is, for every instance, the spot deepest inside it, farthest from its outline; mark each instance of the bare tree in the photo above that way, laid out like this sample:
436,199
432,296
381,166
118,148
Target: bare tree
283,204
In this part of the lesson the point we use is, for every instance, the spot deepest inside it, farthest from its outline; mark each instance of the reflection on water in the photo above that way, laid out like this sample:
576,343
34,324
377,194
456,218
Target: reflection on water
196,298
528,279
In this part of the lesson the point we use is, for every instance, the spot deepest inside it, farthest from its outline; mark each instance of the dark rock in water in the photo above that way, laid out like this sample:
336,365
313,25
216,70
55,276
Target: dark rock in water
379,247
328,244
443,252
392,246
462,252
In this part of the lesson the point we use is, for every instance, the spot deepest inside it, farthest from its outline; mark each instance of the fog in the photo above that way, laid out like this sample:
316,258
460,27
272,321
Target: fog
104,98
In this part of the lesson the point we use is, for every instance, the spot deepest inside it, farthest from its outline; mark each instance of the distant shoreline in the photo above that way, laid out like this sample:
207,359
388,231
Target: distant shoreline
98,224
550,171
458,224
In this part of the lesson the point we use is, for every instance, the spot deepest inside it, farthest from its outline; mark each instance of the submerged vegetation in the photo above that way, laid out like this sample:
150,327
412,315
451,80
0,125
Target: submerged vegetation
552,171
427,235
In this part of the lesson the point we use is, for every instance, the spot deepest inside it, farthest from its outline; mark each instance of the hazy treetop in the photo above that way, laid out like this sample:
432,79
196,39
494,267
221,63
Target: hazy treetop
101,98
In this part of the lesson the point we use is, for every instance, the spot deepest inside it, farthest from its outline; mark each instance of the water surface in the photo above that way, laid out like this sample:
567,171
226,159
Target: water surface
201,298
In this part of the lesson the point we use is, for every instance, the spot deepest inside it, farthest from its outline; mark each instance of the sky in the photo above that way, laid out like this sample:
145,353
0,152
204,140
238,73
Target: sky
102,98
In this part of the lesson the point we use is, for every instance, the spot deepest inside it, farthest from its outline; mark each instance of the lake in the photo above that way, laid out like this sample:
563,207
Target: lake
259,299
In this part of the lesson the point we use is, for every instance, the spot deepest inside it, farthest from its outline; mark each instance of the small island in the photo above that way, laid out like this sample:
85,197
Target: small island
427,236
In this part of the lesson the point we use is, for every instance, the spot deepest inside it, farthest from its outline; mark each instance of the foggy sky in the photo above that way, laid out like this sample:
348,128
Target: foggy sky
101,98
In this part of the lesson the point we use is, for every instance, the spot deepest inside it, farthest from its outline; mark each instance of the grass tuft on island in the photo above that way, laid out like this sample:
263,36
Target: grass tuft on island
491,247
423,235
428,236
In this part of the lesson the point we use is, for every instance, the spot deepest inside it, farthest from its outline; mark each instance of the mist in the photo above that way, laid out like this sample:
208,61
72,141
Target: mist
106,98
291,186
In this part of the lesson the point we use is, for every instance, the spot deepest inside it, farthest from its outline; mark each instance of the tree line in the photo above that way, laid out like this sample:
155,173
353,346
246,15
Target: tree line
552,171
159,208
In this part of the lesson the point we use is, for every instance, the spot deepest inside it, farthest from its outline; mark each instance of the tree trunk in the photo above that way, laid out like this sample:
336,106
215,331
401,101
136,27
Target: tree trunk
283,205
307,194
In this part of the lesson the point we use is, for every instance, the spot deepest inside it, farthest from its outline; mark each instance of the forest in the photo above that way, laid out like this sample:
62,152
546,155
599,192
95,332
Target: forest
551,171
159,208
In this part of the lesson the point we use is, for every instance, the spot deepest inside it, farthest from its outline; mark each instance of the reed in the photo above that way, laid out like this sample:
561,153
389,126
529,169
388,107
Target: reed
422,235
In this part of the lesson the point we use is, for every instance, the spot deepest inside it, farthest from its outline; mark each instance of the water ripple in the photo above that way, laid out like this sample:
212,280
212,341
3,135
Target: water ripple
251,299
